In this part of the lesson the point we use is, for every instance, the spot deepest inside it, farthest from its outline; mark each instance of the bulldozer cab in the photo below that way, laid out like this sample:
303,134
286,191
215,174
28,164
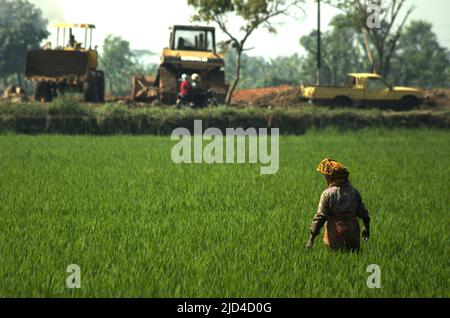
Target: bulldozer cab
74,36
192,38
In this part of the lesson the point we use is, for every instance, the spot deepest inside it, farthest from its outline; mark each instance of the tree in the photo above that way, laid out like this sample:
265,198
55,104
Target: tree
260,72
284,70
420,60
384,39
253,13
144,62
117,62
120,63
253,69
22,28
336,45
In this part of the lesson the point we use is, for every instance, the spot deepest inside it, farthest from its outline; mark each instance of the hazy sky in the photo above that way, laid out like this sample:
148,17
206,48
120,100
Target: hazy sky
145,23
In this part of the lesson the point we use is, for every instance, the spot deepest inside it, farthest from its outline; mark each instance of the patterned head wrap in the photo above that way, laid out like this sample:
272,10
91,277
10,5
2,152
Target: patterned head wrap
333,168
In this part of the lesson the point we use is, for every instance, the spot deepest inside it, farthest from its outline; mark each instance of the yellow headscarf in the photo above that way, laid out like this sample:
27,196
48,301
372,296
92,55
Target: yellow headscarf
333,168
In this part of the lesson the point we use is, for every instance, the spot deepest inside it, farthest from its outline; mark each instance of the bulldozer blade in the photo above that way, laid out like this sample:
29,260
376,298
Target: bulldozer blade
56,65
144,88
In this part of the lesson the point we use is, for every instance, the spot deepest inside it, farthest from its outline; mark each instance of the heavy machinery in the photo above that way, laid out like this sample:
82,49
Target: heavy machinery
69,67
192,49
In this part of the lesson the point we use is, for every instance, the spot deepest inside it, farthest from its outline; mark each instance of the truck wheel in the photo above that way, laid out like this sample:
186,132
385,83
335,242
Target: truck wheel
43,92
101,87
38,92
215,81
60,88
94,88
168,98
168,85
409,102
342,102
89,88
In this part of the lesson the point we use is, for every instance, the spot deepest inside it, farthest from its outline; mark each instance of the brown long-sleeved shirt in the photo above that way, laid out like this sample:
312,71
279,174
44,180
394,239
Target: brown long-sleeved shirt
339,199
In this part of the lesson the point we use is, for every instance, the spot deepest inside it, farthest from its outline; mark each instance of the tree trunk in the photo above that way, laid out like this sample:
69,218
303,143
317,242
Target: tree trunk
388,59
237,78
111,88
19,79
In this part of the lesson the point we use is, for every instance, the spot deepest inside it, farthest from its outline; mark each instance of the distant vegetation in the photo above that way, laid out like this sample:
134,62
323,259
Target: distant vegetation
22,27
418,59
120,63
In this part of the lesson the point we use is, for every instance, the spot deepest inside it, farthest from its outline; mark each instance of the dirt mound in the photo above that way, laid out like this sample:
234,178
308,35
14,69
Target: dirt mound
437,97
286,98
280,96
247,96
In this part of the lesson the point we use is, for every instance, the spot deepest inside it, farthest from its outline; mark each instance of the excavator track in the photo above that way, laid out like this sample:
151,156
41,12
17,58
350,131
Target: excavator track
168,85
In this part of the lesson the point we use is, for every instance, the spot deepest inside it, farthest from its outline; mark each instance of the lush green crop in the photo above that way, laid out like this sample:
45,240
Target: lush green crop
139,225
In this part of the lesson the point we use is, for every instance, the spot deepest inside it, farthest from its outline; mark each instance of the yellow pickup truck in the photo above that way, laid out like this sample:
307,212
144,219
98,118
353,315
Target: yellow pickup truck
366,90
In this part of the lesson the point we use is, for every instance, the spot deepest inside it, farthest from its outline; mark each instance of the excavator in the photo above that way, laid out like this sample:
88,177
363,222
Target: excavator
192,50
68,67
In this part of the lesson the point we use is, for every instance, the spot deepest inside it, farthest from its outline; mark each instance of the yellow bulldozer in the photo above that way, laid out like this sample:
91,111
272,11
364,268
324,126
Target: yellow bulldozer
69,67
192,49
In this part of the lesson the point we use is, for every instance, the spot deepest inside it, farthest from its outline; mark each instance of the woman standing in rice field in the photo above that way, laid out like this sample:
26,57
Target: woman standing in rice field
339,208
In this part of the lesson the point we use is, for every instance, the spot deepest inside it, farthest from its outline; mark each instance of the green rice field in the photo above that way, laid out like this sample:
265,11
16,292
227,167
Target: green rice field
139,225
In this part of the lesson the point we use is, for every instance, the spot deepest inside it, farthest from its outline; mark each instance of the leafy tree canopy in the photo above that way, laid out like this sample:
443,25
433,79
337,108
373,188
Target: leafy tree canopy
22,27
253,13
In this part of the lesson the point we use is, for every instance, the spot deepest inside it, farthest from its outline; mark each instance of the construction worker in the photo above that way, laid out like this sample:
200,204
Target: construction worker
9,92
71,43
186,87
19,96
339,208
196,82
185,95
196,88
15,94
199,94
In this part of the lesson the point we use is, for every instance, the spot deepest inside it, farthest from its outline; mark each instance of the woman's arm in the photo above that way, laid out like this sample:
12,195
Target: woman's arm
319,220
363,213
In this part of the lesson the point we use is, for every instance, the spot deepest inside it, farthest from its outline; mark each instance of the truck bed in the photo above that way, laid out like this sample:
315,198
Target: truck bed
323,92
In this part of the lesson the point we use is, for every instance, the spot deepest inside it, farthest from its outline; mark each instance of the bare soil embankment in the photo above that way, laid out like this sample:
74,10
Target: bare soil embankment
289,96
